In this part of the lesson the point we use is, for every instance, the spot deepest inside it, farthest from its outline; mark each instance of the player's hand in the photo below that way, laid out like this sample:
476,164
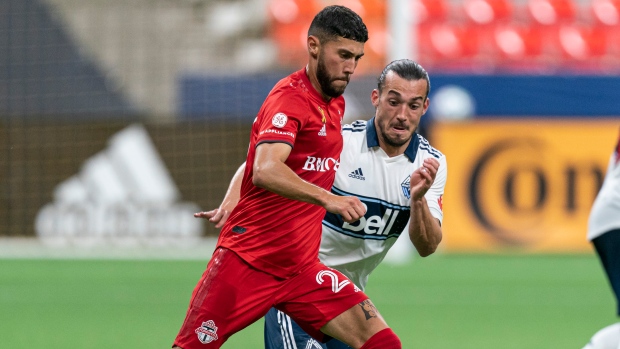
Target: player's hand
422,178
217,216
349,207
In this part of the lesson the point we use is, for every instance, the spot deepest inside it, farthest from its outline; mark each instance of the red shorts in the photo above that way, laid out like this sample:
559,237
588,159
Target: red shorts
231,295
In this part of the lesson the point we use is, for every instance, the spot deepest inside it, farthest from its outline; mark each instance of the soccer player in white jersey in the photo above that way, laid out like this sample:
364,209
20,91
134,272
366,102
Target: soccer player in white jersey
398,176
604,233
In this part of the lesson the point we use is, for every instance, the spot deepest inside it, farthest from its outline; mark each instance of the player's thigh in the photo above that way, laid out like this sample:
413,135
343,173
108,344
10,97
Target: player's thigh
282,332
230,296
317,295
356,325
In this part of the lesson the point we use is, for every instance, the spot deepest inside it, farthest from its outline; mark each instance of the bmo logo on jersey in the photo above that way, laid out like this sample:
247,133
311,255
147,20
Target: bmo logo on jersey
382,220
320,164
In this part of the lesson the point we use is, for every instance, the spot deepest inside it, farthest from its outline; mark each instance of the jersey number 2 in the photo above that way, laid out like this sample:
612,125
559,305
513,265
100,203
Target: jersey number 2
336,286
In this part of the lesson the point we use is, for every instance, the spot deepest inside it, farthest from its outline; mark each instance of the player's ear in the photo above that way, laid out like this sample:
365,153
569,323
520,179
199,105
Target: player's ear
313,46
374,97
427,103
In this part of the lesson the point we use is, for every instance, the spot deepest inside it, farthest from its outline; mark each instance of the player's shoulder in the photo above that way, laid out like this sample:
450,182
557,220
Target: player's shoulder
287,97
288,88
427,149
356,126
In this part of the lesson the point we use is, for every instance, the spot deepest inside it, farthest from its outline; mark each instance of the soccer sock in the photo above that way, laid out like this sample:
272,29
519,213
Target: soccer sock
384,339
606,338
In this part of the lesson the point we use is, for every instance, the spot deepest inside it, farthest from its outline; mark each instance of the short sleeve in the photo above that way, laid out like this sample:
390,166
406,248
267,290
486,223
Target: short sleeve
282,116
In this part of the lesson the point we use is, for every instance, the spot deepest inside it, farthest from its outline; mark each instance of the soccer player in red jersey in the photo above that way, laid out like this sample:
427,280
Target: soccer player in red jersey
267,253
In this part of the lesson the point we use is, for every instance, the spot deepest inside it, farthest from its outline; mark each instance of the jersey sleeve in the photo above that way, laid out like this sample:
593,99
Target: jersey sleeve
434,196
283,115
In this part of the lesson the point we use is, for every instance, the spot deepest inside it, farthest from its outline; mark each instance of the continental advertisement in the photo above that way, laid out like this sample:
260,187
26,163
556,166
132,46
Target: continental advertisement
523,185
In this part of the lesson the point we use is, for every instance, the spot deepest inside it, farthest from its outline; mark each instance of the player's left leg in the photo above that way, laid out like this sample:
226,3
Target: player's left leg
221,305
362,327
324,302
607,246
606,338
282,332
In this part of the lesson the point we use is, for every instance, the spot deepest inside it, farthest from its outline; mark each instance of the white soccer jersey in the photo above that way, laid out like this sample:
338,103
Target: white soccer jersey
605,213
382,184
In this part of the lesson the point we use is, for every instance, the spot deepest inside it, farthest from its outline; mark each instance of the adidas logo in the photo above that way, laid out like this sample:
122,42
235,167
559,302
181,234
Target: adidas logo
122,195
322,131
357,174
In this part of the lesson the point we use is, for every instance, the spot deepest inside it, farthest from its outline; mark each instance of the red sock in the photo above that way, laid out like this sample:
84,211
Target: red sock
384,339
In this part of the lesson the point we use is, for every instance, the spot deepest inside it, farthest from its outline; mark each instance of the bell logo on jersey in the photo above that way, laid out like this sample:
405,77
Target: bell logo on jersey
320,164
374,225
383,220
207,332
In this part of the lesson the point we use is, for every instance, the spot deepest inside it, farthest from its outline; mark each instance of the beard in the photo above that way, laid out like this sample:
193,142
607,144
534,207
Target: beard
393,141
325,80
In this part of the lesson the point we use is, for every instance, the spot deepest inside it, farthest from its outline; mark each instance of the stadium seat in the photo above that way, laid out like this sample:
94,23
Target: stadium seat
488,12
606,17
290,40
374,10
518,48
606,12
484,16
290,11
552,12
546,18
448,46
375,49
288,28
430,11
584,48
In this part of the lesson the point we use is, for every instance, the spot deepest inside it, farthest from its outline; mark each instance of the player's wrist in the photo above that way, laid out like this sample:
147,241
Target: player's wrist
324,198
415,202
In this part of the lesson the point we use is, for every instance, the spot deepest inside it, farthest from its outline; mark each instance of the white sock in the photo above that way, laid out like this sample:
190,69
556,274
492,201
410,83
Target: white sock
606,338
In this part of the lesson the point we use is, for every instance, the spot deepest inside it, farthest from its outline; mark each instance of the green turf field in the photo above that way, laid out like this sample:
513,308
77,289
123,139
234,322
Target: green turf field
442,302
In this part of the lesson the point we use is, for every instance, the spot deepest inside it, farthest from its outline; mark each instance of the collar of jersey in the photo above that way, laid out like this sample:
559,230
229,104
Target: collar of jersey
372,140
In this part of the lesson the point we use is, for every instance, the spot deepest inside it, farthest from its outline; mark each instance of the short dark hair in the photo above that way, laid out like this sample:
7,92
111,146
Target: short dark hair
406,69
338,21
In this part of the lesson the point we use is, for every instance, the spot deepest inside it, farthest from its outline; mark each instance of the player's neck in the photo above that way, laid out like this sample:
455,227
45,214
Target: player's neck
311,74
391,150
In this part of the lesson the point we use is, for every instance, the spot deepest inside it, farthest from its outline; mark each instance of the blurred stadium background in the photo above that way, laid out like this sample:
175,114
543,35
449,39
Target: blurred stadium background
119,119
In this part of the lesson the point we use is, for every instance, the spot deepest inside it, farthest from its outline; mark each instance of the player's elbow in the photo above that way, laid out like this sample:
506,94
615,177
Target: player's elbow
261,176
258,179
426,250
426,247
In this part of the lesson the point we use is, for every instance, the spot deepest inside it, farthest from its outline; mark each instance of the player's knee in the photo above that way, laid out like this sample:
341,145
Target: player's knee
384,339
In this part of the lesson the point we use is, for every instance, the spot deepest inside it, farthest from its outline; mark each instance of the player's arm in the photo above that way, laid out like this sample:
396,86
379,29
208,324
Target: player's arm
219,215
270,172
424,229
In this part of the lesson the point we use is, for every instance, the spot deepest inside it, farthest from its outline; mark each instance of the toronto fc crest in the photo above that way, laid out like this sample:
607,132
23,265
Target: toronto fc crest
207,332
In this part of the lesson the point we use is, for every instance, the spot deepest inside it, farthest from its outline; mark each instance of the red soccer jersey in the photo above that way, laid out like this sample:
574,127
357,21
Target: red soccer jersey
272,233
